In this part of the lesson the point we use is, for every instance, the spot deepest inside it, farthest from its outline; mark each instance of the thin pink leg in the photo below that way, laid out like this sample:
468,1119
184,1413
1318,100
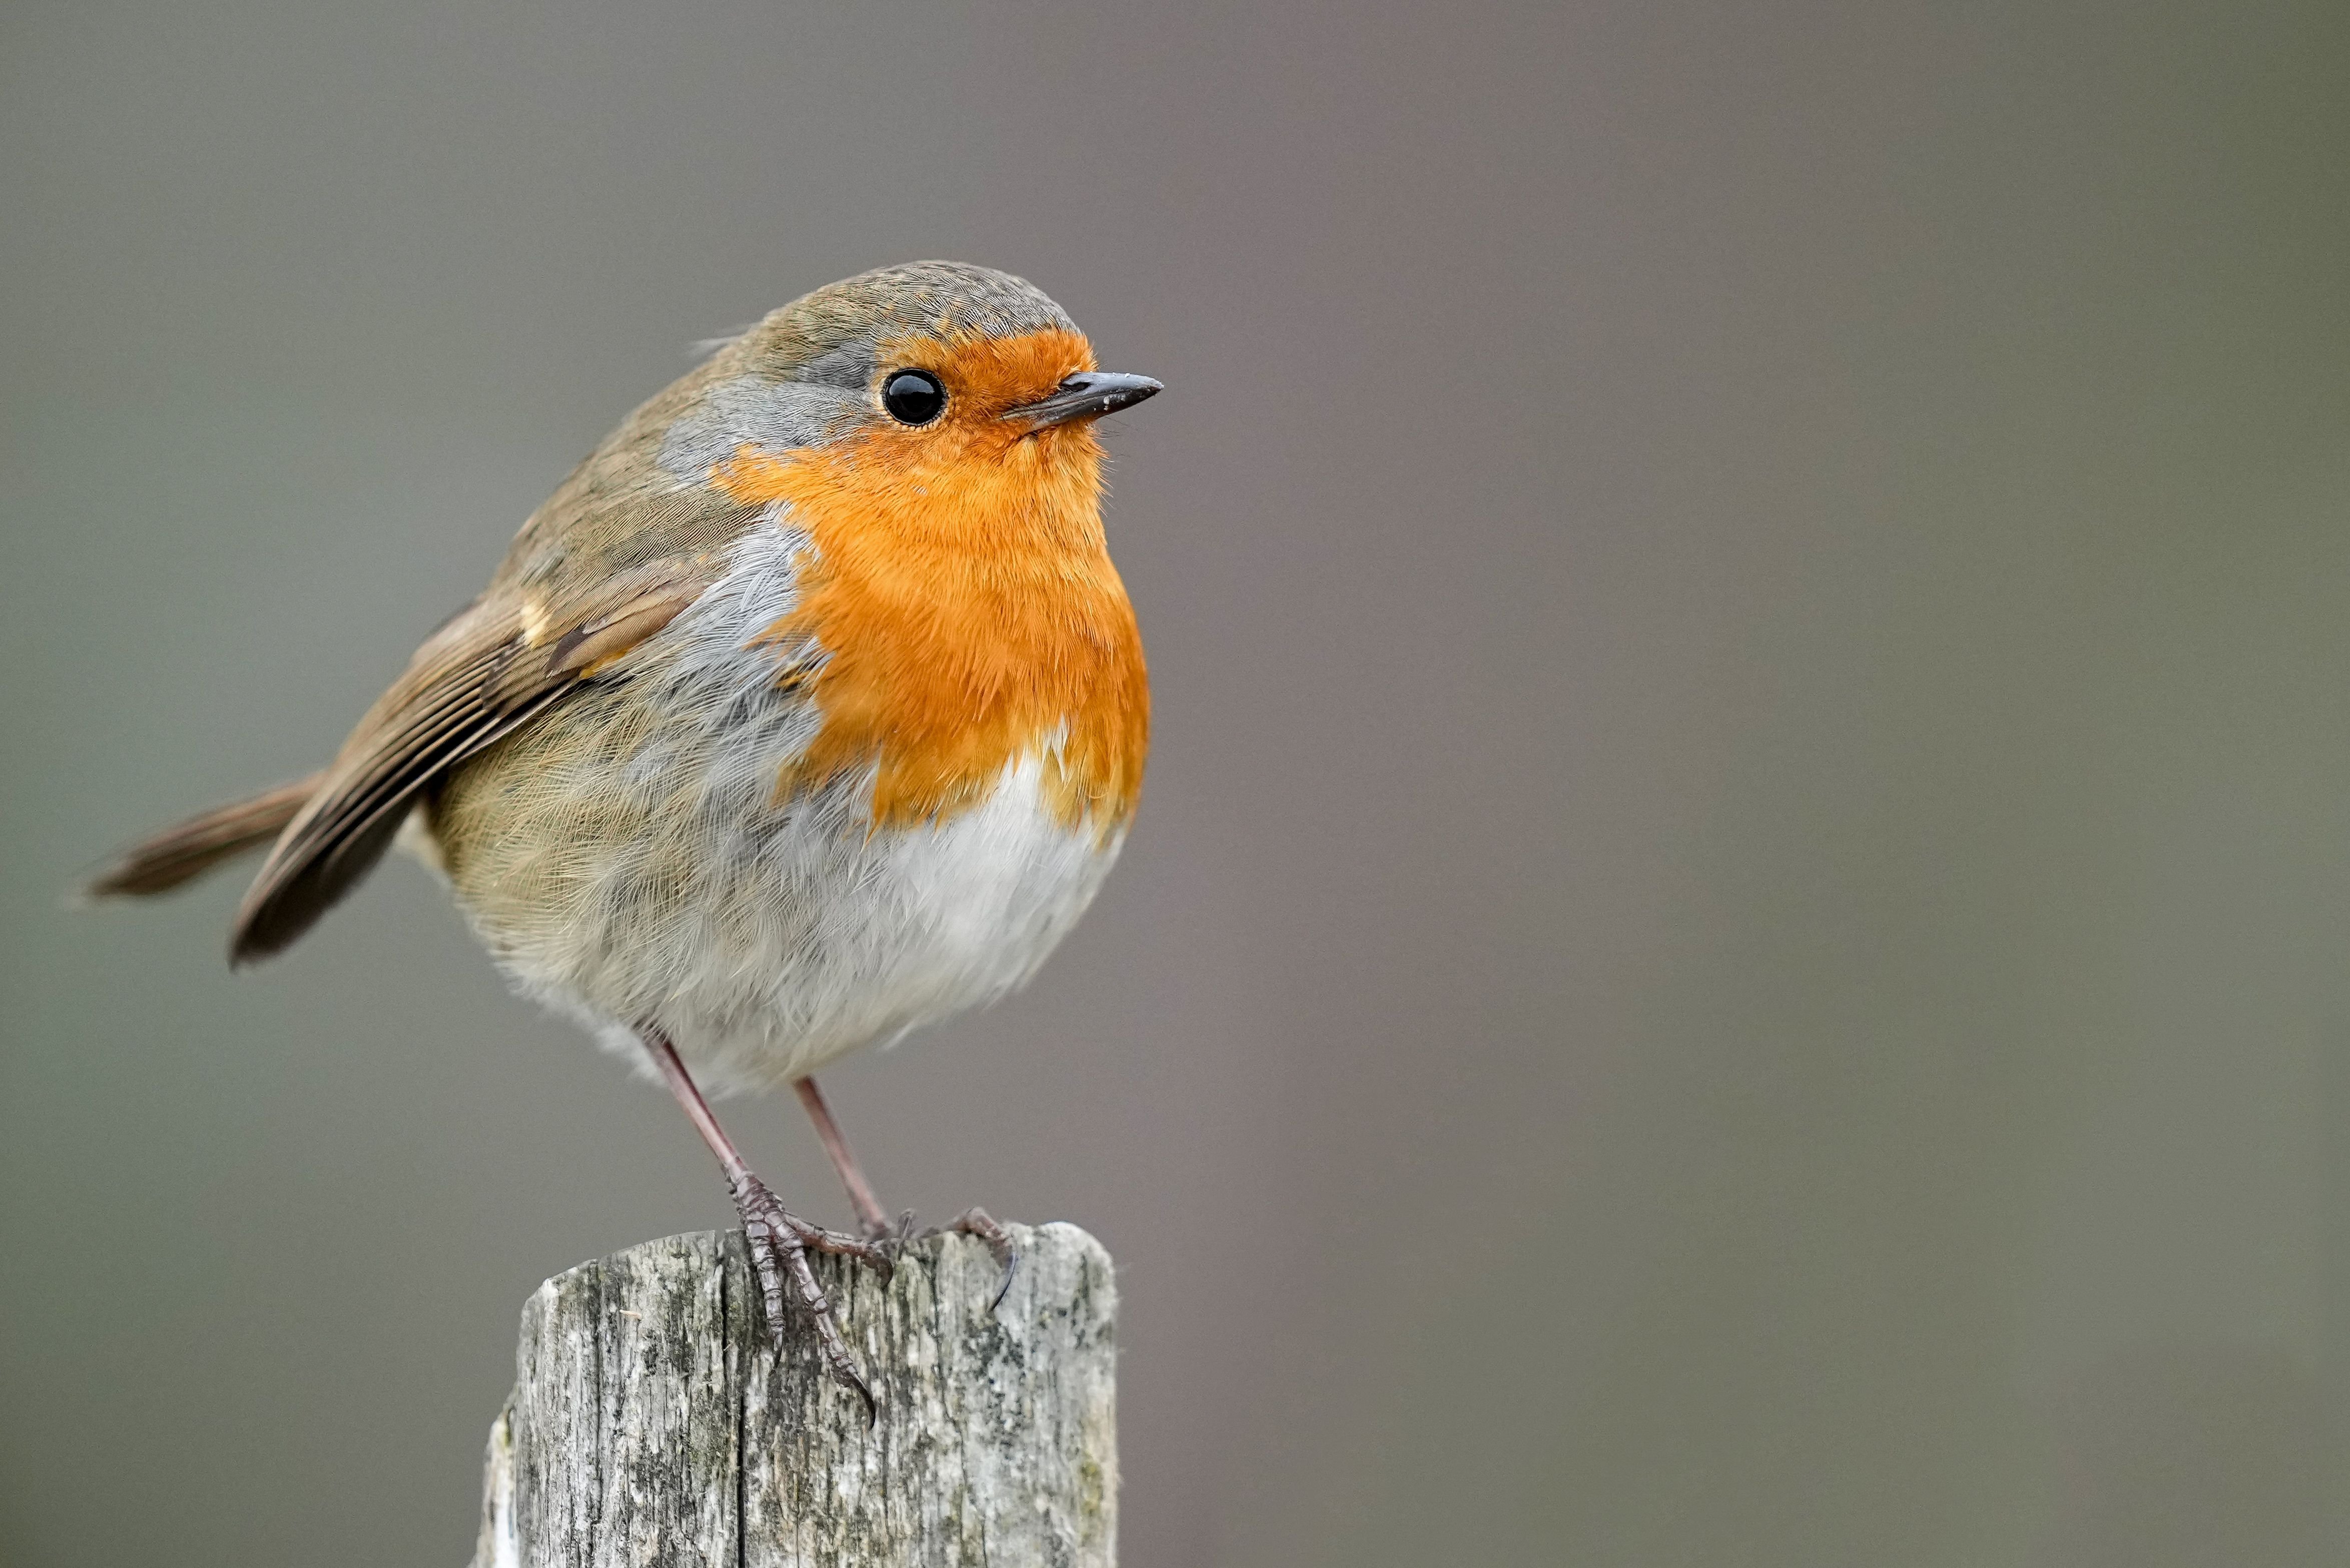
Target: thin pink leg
778,1240
869,1212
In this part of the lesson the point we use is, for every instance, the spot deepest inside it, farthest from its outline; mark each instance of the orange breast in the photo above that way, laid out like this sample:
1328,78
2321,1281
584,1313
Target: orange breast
963,591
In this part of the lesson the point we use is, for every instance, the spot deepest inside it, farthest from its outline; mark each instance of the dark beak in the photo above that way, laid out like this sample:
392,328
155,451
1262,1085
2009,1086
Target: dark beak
1087,395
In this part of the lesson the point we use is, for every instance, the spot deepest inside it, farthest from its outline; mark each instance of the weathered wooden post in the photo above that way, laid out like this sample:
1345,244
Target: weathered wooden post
650,1423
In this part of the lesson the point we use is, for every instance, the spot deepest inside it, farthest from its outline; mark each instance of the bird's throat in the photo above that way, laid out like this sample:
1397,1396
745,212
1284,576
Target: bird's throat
968,616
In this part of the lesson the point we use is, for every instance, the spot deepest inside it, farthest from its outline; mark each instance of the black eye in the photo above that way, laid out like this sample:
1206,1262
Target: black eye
913,397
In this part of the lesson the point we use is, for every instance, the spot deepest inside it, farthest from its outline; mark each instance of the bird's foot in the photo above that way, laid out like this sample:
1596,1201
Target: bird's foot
980,1223
779,1244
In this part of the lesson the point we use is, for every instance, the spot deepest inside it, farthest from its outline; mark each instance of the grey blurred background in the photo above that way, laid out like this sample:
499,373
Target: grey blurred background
1735,952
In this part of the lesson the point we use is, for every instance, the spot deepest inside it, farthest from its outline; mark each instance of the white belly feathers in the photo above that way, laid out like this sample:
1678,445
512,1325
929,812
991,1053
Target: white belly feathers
644,872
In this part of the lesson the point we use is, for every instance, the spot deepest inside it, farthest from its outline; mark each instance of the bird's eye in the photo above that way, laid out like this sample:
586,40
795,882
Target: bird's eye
913,397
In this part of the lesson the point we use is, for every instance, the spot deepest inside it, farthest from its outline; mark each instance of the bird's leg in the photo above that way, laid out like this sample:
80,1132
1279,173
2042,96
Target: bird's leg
778,1240
875,1219
869,1212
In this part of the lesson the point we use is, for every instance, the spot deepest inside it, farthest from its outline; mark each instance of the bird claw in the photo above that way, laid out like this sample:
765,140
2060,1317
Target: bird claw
779,1242
980,1223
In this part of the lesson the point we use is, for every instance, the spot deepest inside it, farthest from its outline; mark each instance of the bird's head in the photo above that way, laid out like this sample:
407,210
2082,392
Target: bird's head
940,400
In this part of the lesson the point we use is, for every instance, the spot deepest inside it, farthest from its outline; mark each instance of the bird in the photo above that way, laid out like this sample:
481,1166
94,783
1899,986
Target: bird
809,710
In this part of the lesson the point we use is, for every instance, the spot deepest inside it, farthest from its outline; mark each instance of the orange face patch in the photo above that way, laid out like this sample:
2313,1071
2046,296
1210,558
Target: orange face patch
964,590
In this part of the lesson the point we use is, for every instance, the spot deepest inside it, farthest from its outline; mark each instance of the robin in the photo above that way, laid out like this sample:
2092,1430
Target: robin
809,709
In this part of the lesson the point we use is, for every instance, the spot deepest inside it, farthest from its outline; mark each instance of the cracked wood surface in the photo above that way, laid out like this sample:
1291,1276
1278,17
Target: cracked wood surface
651,1424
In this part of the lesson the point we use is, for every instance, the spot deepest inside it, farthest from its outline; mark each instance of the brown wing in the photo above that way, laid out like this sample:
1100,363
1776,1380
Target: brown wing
485,675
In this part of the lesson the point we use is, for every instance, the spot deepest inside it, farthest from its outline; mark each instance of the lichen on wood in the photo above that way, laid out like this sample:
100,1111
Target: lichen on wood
652,1421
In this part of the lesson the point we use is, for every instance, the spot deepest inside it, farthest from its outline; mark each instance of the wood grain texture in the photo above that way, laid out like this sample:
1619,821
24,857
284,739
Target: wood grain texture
652,1423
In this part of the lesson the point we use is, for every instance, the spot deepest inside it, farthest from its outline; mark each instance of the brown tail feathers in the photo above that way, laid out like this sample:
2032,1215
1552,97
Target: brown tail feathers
187,850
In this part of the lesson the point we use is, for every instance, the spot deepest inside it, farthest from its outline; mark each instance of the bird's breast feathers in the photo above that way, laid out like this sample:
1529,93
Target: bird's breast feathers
963,613
849,789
